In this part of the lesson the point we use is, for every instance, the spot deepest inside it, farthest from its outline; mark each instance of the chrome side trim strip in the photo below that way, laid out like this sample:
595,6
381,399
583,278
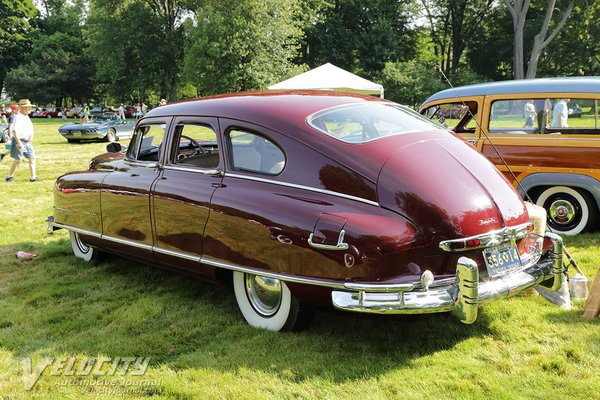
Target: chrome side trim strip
76,230
127,242
276,275
309,188
179,254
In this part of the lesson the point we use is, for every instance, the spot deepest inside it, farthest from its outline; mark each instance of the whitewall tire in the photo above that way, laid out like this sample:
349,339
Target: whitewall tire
267,303
570,211
82,250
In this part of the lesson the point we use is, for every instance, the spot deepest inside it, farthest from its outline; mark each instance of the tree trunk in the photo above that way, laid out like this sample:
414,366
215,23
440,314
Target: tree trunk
540,40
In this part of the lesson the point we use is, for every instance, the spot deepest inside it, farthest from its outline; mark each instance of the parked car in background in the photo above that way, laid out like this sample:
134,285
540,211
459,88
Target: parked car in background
75,112
38,113
559,168
106,127
53,112
304,198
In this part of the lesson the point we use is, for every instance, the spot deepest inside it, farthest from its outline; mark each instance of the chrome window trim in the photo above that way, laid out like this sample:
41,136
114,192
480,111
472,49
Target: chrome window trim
309,188
197,170
488,239
146,164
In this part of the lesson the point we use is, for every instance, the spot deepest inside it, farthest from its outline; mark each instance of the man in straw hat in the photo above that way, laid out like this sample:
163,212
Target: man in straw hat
22,138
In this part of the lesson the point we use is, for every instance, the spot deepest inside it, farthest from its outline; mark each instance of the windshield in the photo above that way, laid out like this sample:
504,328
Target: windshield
360,123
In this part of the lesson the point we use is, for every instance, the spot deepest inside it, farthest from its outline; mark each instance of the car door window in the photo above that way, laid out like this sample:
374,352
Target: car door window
458,116
196,145
252,152
545,115
146,142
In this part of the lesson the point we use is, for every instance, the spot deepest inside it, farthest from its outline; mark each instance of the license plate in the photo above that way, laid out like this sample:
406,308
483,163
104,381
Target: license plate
501,260
76,133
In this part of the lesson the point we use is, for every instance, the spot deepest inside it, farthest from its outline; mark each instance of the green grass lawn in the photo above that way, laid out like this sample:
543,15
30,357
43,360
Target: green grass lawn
200,347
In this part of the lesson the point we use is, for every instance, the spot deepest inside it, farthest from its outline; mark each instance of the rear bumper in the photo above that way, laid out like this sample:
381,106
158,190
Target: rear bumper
462,297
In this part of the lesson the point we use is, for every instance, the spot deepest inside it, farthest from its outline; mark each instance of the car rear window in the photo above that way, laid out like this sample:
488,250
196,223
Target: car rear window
360,123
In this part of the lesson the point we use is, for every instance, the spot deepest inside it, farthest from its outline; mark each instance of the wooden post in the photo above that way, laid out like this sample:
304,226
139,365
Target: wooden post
592,305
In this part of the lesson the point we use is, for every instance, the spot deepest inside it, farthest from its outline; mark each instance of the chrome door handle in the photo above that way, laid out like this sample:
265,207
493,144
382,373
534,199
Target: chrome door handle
339,246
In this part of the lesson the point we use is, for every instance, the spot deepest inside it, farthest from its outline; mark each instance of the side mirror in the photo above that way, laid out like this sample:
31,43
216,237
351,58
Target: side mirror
114,147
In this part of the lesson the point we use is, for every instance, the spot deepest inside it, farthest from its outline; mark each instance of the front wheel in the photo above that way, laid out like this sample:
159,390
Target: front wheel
267,303
82,250
111,136
570,211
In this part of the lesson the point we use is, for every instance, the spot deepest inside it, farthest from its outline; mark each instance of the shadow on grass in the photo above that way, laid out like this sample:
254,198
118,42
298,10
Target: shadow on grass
59,305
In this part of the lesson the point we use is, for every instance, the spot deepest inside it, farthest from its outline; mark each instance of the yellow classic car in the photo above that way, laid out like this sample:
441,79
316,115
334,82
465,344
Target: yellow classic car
543,134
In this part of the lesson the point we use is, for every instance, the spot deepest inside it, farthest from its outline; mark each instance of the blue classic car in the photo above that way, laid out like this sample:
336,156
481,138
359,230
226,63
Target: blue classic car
106,127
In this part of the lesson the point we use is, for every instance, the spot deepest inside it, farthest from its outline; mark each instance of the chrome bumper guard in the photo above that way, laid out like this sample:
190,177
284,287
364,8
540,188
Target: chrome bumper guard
462,297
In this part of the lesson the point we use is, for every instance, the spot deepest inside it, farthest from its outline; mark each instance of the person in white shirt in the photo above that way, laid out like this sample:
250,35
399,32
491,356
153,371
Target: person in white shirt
560,114
121,110
529,114
22,141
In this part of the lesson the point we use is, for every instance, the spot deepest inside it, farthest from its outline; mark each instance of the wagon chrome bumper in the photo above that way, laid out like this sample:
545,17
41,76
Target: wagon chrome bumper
462,297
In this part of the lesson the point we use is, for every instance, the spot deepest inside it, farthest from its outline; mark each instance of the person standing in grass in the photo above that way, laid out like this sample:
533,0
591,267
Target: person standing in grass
22,141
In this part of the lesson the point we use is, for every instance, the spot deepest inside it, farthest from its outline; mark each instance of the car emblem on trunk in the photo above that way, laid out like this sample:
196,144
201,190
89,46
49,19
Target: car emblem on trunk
487,221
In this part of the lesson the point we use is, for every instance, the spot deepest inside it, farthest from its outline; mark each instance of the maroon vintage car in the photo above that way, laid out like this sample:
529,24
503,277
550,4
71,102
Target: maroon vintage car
310,198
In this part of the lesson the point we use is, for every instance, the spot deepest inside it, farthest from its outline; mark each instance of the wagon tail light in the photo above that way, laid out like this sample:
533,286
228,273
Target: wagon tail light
489,239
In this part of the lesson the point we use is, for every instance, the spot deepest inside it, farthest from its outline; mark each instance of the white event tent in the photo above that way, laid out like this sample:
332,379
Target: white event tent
328,76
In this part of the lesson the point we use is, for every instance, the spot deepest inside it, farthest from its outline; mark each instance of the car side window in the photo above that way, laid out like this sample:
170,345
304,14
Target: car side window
252,152
196,145
458,116
545,115
146,142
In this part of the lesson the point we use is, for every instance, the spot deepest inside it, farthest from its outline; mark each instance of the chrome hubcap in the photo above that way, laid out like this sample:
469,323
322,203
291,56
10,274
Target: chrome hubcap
263,293
562,212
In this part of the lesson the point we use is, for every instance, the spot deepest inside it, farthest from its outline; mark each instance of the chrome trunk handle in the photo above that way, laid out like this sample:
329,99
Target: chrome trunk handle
339,246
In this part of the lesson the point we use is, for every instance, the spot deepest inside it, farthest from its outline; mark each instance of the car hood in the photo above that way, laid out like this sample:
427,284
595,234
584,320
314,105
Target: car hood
448,190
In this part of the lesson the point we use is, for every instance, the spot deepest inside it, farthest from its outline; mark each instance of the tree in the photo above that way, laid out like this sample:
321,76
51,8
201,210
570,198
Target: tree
361,36
518,10
137,46
243,45
15,29
576,50
57,67
410,82
451,24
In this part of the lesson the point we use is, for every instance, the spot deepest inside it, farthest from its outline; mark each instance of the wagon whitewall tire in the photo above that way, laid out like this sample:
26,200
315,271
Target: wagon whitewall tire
266,303
82,250
570,212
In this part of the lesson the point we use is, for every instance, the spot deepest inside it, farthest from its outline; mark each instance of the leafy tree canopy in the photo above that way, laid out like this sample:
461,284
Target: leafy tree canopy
244,45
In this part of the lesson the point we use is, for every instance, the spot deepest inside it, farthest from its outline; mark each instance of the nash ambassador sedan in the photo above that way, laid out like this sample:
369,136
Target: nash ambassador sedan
310,198
105,127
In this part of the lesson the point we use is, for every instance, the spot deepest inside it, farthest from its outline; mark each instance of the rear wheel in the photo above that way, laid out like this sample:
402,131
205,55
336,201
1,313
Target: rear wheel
82,250
570,211
267,303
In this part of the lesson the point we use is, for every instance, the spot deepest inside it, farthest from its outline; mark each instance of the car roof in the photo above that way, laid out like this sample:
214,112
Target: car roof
286,112
270,106
582,84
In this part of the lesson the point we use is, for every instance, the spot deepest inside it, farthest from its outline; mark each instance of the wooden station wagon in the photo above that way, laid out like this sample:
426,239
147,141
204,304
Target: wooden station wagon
546,131
310,198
